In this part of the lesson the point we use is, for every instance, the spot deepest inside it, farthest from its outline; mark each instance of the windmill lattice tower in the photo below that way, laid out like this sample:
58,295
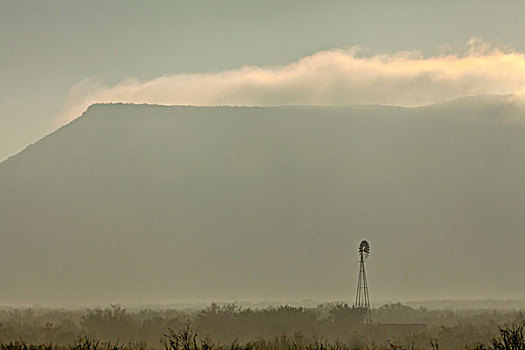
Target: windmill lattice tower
362,300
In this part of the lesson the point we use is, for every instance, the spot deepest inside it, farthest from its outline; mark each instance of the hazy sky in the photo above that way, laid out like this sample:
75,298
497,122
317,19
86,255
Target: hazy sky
48,47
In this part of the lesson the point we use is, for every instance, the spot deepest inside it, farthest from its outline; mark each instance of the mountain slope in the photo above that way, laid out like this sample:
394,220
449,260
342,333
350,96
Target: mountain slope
153,203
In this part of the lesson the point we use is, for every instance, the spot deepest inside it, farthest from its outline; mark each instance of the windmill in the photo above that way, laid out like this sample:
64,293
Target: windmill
362,301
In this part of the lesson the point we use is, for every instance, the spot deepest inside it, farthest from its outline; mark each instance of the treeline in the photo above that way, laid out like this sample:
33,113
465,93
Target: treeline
282,327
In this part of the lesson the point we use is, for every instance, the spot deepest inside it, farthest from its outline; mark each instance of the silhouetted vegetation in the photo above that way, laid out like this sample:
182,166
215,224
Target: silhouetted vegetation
333,326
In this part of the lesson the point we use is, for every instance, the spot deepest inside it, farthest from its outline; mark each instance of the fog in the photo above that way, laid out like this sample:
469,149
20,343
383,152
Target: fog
136,203
51,46
332,77
262,175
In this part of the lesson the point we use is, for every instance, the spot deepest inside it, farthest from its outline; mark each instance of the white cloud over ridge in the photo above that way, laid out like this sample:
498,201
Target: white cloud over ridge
333,77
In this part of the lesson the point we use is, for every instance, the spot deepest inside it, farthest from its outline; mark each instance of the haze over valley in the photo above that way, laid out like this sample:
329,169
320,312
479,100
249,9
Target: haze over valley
142,203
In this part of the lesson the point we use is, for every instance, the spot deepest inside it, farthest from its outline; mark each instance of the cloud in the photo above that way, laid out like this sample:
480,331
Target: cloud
333,77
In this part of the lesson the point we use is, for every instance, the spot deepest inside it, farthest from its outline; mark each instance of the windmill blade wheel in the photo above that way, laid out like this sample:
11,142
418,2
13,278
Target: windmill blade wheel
364,248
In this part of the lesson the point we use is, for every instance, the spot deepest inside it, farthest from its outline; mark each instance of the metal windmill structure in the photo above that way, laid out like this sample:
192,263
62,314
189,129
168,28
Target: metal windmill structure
362,300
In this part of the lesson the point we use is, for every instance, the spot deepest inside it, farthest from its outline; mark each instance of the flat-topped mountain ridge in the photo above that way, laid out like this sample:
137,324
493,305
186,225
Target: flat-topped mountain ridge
137,203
